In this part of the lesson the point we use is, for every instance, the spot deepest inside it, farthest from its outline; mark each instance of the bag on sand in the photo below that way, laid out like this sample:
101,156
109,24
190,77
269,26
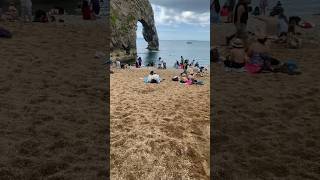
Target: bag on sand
5,33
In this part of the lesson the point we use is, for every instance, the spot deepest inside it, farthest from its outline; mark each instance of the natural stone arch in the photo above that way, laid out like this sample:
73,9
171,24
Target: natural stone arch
124,16
150,34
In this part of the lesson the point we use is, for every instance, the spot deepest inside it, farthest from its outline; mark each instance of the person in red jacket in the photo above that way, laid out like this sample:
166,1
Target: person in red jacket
86,12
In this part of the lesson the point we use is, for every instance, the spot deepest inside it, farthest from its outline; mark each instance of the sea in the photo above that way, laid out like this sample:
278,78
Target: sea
171,50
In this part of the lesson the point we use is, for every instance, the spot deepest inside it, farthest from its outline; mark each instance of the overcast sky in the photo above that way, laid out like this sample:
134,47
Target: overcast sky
181,19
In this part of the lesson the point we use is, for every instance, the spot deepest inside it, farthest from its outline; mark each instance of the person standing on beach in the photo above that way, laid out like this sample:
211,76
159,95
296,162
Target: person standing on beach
26,10
140,61
231,4
263,6
240,21
95,4
215,11
86,13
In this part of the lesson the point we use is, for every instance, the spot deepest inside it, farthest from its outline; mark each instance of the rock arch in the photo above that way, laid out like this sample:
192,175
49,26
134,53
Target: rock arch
124,16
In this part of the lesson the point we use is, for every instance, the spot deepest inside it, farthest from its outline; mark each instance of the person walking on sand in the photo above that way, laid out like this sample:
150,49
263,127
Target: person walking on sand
240,21
26,10
263,6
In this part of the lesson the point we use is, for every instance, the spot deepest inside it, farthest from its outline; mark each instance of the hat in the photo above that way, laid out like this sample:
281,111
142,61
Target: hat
279,3
237,43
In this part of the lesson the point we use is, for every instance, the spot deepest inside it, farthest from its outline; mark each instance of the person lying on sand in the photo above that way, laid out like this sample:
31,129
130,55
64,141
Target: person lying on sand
237,58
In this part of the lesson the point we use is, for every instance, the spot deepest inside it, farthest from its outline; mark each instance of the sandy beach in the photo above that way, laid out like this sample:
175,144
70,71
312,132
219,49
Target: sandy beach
266,126
158,131
53,101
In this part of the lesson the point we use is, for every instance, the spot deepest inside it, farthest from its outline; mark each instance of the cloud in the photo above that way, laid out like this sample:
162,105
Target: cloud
172,17
198,6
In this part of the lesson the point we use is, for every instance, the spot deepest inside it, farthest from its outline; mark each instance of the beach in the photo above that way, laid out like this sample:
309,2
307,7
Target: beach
53,101
266,126
158,131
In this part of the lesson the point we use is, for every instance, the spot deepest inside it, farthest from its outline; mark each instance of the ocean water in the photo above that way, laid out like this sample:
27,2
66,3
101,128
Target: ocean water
171,51
303,8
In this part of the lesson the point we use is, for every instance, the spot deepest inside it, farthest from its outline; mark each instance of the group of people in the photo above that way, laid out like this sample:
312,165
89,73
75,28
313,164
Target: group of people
226,10
240,15
256,58
184,63
90,9
188,77
12,13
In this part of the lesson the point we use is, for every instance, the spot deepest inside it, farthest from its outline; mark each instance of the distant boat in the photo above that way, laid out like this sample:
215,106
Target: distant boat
189,42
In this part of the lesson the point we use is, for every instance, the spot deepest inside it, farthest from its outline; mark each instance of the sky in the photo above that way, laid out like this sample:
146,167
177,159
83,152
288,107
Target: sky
181,19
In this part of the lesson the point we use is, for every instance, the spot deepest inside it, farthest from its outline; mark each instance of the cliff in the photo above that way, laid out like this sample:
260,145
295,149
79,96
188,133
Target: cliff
124,16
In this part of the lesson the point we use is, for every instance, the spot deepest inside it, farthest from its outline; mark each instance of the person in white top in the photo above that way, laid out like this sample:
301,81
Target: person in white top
153,78
26,10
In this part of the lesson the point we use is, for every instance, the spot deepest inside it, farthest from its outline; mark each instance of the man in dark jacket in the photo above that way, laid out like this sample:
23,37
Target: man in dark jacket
240,21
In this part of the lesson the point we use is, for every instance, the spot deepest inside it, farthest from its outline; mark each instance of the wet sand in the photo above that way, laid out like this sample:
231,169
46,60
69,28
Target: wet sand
53,102
266,126
158,131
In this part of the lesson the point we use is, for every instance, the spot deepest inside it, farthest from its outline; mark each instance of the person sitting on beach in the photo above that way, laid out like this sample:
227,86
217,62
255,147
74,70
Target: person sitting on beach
153,78
238,57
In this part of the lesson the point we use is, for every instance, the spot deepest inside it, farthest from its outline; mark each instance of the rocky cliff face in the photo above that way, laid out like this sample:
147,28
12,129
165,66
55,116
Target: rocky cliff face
124,16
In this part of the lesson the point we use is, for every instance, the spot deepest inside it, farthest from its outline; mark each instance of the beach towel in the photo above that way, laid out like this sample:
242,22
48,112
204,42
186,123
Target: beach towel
5,33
